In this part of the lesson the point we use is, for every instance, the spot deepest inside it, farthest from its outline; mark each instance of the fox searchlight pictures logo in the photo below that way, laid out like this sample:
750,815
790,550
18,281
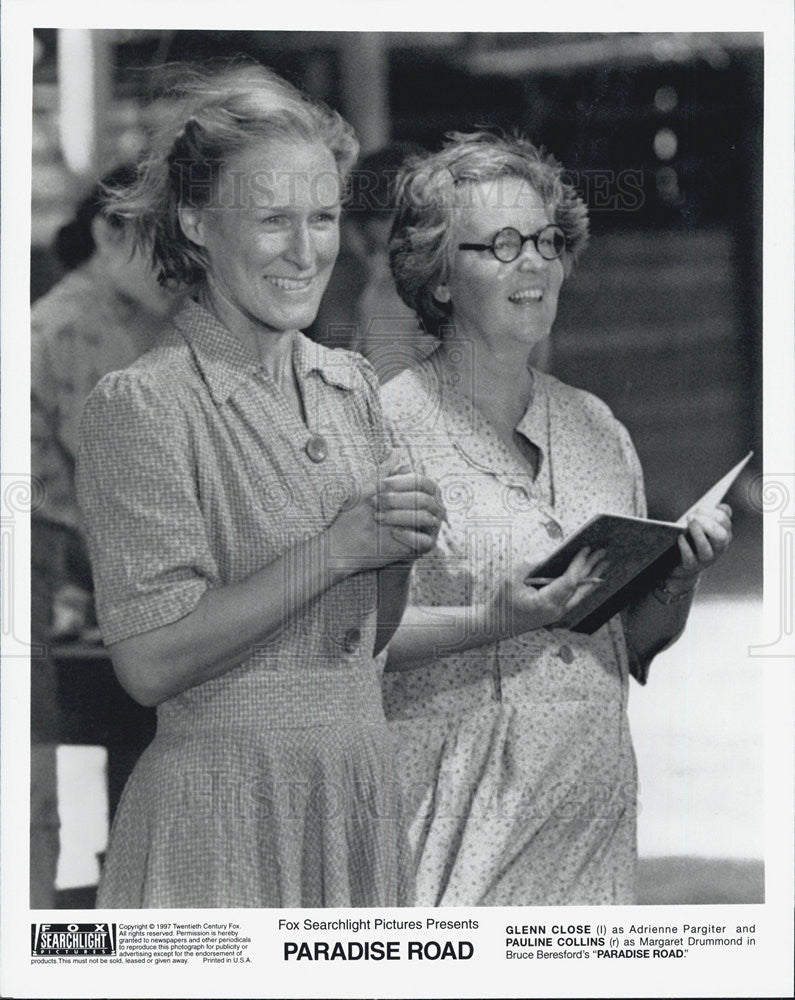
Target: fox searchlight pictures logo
73,939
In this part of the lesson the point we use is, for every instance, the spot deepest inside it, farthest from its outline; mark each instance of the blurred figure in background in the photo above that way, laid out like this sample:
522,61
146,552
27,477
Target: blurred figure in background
103,315
361,309
392,337
106,311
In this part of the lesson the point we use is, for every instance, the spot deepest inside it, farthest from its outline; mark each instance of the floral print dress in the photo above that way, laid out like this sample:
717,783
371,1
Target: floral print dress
517,767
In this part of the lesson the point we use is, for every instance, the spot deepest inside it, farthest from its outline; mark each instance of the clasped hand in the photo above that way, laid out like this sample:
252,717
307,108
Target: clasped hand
397,521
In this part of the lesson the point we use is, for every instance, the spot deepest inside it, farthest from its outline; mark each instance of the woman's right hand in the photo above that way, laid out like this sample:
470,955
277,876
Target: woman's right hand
397,522
517,607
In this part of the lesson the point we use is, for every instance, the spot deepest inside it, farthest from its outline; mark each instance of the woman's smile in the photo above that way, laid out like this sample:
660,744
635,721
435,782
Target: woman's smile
290,284
527,296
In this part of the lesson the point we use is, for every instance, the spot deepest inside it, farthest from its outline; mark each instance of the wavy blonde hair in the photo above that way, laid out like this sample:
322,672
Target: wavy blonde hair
214,113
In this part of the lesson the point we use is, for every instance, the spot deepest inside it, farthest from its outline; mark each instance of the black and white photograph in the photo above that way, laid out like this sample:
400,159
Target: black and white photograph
397,506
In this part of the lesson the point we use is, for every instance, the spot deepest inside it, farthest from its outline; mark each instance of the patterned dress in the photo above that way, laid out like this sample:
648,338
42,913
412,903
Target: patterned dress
81,329
516,760
269,785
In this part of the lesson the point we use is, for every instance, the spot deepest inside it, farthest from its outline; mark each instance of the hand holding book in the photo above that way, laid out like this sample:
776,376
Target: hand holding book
709,534
644,555
516,608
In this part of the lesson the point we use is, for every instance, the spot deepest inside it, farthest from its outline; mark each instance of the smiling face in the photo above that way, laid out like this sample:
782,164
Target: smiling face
495,303
270,235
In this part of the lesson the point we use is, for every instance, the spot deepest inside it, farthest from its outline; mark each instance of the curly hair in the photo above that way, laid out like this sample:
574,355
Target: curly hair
429,193
215,112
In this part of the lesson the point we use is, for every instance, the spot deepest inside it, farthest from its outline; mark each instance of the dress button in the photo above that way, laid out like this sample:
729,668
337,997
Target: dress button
353,638
554,530
566,654
316,448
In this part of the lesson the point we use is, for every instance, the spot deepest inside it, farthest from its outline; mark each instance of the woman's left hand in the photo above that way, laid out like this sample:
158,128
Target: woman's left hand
410,506
709,534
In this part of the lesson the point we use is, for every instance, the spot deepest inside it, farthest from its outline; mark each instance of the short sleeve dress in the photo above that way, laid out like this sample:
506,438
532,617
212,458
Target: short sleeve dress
518,770
268,786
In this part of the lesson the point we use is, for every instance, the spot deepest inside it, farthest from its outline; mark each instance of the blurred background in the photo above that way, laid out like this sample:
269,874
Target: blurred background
662,134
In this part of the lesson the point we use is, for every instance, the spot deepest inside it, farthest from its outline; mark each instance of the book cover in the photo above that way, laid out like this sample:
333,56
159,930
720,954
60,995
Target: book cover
640,551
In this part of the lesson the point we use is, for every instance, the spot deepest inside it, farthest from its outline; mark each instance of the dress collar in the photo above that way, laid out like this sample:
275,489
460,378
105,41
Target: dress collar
473,434
225,362
534,424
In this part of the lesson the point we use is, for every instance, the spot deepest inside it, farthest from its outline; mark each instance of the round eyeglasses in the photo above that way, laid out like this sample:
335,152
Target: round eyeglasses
550,242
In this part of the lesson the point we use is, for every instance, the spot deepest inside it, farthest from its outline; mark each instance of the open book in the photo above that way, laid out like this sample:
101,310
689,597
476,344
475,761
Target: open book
640,552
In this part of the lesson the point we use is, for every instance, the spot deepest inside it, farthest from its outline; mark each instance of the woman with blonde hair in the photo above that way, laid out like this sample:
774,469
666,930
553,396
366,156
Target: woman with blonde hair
229,483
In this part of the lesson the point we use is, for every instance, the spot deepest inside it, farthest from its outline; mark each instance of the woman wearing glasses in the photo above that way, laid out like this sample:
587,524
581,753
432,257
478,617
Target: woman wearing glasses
515,752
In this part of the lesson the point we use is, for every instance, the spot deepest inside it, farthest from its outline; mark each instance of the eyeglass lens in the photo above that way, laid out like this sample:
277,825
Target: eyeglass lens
550,243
